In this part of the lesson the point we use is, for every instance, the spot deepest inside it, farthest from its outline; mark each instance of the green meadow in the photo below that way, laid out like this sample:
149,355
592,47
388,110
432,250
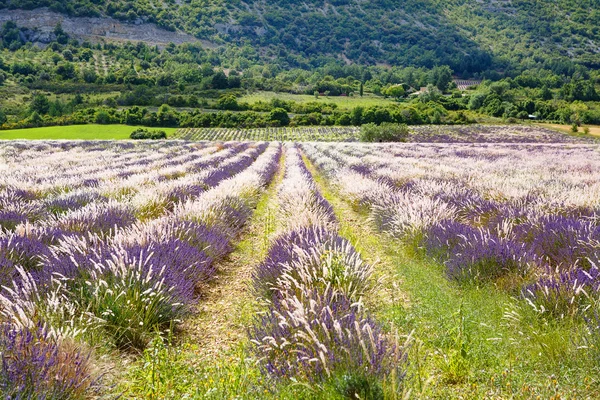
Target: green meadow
74,132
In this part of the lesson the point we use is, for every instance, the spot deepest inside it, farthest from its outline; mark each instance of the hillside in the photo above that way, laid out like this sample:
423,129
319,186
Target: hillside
194,64
468,36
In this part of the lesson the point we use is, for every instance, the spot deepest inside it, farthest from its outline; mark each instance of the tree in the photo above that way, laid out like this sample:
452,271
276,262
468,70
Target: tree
68,55
86,54
61,35
431,93
219,81
56,58
546,94
395,91
477,100
361,89
56,109
3,118
39,104
66,70
279,116
166,116
89,75
227,102
357,115
103,117
35,118
441,77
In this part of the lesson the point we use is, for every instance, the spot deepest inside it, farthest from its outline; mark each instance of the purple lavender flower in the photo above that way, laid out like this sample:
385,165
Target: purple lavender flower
564,293
9,219
72,201
471,253
321,335
284,250
35,366
560,241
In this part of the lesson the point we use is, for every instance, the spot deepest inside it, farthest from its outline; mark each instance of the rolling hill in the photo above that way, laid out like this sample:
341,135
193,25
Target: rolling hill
469,36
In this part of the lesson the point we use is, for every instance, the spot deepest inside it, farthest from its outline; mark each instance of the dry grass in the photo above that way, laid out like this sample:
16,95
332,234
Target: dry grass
594,129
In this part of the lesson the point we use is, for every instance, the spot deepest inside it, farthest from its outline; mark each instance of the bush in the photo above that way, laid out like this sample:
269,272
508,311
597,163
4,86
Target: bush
133,295
35,365
142,133
279,117
386,132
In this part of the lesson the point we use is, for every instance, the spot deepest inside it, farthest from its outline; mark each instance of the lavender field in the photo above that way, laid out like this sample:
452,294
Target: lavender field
417,134
464,269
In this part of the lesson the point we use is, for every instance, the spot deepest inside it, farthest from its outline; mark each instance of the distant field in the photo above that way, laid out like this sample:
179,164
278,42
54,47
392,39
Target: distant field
421,133
594,129
74,132
341,101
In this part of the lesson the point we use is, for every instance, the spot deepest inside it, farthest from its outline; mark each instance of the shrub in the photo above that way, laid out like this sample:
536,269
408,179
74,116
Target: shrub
36,366
386,132
134,297
142,133
318,336
475,253
279,117
565,293
316,258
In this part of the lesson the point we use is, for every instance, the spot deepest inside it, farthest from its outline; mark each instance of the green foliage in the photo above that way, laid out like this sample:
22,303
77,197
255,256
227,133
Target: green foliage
396,91
39,104
386,132
143,133
279,117
353,385
228,102
441,77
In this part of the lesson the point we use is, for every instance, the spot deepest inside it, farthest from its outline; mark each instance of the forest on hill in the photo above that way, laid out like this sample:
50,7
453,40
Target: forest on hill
465,35
393,61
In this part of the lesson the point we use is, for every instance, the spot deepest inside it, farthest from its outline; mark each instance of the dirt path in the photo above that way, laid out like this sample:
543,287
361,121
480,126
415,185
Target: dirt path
228,306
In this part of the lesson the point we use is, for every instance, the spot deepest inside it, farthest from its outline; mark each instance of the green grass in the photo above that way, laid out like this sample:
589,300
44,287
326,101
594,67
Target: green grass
75,132
342,102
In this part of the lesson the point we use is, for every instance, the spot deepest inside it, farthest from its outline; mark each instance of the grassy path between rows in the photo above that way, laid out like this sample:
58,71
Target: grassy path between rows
211,359
469,342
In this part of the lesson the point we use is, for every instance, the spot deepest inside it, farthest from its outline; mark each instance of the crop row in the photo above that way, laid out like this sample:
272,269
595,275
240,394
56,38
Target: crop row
331,134
470,207
417,134
315,328
108,245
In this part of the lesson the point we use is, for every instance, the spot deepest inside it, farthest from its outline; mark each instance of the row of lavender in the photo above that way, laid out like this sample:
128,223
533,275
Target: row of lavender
490,134
417,134
530,212
331,134
312,282
110,241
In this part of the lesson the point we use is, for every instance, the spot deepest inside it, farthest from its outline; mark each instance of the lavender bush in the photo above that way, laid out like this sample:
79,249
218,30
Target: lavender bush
35,365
